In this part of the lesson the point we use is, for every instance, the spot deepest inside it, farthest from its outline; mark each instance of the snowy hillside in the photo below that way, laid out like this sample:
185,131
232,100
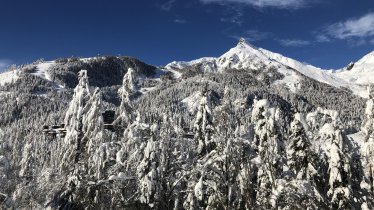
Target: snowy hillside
251,129
361,73
42,71
247,56
8,77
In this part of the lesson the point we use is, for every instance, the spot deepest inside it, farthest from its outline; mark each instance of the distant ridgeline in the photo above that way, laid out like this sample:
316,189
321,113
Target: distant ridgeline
214,134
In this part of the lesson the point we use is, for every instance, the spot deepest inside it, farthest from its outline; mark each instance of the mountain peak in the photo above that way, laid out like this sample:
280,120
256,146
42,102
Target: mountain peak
244,43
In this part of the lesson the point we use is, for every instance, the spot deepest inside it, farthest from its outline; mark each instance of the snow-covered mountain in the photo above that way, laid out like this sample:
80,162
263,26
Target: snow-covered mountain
247,56
114,132
360,72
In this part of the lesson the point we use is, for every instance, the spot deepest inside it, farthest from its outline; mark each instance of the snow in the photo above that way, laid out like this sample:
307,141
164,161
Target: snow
8,77
291,80
120,177
42,72
361,73
247,56
176,74
147,89
192,102
327,129
182,64
198,190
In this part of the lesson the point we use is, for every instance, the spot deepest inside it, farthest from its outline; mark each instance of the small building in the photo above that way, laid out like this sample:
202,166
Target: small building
54,130
188,133
108,118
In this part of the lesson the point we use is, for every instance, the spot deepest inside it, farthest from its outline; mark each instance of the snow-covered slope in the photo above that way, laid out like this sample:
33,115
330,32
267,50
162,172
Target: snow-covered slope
361,73
42,72
243,56
247,56
8,77
183,64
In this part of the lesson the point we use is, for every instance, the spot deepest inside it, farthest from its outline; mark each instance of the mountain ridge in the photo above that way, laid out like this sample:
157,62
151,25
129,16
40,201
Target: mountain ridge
244,52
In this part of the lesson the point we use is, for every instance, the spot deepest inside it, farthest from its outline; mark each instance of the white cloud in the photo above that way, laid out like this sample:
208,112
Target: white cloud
234,14
322,38
253,35
280,4
362,27
294,42
180,21
167,6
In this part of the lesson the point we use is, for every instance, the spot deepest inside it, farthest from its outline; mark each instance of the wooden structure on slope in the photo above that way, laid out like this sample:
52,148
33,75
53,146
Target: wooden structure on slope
54,130
108,117
188,133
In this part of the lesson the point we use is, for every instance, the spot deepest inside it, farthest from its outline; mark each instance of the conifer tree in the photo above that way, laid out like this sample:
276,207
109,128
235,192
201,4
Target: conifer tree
74,122
127,92
204,125
268,145
340,192
148,171
368,130
299,149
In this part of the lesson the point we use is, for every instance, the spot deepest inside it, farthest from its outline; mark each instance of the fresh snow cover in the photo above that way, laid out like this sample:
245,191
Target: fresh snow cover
147,89
192,102
176,74
361,73
183,64
8,77
291,80
359,140
120,177
312,116
42,72
245,55
310,71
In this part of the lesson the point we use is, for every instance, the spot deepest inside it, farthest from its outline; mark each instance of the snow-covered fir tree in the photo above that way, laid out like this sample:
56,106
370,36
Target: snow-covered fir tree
299,151
127,92
149,171
74,122
270,152
203,125
368,128
340,192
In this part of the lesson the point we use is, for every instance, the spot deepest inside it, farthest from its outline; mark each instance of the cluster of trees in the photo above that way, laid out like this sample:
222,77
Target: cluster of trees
246,145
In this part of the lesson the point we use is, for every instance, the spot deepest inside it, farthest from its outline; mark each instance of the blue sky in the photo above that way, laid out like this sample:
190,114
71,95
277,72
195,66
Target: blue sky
325,33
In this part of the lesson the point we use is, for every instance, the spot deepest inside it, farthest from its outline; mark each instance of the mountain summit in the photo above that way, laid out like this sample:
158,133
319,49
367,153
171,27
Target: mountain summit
246,56
360,72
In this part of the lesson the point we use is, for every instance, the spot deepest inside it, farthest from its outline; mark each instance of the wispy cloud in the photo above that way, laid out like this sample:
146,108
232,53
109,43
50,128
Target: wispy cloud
294,42
280,4
357,31
320,38
253,35
234,14
167,6
180,21
4,63
359,27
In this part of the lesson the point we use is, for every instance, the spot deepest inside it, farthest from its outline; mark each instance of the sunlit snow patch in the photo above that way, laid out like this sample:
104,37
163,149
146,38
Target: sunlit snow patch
8,77
42,72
